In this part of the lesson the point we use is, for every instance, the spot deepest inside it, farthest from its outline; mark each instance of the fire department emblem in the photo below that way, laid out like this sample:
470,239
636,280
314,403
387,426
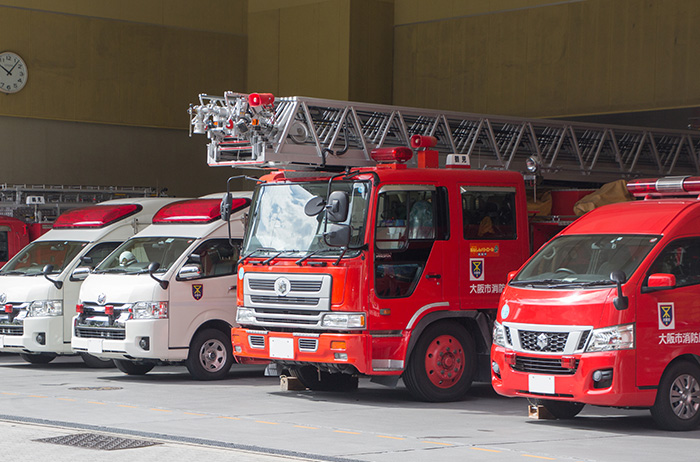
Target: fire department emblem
667,319
282,286
3,298
542,341
197,291
101,299
476,266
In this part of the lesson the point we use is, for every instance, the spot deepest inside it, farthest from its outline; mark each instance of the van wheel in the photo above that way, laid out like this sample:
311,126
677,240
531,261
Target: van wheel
563,410
312,379
677,405
133,367
95,362
442,365
210,356
39,358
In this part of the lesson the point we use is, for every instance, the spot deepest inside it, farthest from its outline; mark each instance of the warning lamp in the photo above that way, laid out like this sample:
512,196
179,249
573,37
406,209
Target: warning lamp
8,308
510,358
399,154
109,310
96,216
667,186
420,141
79,308
568,362
261,99
196,210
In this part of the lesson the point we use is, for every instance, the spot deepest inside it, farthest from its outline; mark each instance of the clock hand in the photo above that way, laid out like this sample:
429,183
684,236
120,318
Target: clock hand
5,69
12,69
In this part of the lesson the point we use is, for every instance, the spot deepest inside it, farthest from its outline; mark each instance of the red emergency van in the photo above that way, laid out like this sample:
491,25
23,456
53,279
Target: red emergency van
608,312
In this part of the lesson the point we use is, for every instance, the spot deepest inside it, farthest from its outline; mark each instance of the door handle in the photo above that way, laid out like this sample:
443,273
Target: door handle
433,276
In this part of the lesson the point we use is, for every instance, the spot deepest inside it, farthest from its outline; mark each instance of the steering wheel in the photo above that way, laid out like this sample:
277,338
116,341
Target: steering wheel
565,270
551,254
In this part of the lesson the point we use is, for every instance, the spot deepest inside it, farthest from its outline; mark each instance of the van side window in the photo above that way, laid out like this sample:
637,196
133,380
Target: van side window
488,213
216,257
98,253
682,259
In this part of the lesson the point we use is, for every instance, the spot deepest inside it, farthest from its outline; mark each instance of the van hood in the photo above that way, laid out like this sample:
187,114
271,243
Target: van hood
21,289
121,288
570,307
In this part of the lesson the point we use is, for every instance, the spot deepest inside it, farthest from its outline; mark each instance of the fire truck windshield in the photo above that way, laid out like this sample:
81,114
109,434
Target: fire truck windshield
278,222
585,260
32,259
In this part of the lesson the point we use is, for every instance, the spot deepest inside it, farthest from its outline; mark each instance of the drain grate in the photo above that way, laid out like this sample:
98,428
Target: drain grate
96,441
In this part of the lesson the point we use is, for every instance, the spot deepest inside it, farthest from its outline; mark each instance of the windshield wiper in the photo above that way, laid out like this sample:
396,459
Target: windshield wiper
13,273
315,252
267,262
250,254
534,282
550,283
112,270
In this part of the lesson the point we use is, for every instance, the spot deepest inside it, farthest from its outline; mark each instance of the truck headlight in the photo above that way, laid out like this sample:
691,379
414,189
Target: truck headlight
46,308
344,320
499,337
612,338
149,310
245,315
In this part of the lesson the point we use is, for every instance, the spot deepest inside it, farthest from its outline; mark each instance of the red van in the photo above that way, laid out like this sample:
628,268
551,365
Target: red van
608,312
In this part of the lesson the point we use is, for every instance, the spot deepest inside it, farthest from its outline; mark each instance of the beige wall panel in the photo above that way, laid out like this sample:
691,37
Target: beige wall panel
264,52
314,50
228,16
468,76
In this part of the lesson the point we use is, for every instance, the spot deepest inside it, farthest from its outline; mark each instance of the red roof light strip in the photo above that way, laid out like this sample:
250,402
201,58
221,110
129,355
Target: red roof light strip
667,186
96,216
196,211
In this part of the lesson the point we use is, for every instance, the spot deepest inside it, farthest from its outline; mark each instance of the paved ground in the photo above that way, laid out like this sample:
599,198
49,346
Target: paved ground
248,417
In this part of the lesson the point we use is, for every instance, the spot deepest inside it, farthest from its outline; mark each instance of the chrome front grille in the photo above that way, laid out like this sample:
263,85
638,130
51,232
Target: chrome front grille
550,342
93,332
542,366
11,330
284,300
256,341
308,344
546,339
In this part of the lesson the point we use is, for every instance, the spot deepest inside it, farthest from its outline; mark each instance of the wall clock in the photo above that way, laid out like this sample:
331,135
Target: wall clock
13,72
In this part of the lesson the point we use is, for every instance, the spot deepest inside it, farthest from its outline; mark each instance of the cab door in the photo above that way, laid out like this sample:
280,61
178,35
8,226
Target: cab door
209,295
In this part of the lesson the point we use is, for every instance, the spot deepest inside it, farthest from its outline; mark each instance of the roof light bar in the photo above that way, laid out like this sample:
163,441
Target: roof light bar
667,186
196,211
399,154
96,216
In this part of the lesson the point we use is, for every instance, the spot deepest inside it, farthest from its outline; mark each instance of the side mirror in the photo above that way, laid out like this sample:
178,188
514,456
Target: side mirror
152,268
189,272
337,208
80,273
195,258
660,281
46,271
85,260
337,235
314,206
225,209
620,302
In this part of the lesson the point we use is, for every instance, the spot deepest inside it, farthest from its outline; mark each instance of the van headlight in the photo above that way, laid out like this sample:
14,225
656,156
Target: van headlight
612,338
499,337
149,310
46,308
343,320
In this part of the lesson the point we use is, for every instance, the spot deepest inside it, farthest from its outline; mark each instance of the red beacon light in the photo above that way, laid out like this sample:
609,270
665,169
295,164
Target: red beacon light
399,155
96,216
195,211
667,186
79,308
261,99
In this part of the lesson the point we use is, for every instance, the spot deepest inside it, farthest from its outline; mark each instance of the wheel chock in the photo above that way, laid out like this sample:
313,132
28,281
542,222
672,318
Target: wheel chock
290,383
538,411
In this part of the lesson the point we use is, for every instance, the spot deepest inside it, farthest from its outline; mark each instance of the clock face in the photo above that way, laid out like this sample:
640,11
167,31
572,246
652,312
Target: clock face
13,72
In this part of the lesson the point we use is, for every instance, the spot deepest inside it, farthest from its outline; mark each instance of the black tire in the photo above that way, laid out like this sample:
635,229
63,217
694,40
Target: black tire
563,410
39,358
95,362
210,356
133,367
442,365
312,379
677,405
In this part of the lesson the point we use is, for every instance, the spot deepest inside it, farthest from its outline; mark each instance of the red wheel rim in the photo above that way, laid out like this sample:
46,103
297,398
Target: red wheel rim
444,361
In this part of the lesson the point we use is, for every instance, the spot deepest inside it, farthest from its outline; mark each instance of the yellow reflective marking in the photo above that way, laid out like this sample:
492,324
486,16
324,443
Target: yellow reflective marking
486,450
349,433
194,413
437,442
160,410
95,402
65,399
538,457
37,396
268,423
308,428
130,407
230,418
8,393
390,437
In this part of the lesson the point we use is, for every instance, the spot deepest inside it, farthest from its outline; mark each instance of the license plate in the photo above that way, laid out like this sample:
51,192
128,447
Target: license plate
541,384
282,348
94,345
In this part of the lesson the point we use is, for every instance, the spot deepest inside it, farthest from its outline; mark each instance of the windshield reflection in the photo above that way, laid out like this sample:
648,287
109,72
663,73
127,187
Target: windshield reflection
32,259
134,255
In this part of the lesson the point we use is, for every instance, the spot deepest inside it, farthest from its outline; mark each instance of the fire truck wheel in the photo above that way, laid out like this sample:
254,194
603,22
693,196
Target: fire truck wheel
133,367
95,362
40,358
677,405
210,356
563,410
309,377
442,365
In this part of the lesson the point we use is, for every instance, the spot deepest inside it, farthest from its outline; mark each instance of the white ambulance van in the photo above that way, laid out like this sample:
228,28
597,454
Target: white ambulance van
39,286
168,294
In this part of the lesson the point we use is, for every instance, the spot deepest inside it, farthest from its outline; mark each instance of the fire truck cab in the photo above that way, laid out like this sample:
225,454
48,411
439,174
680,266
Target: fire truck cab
385,271
607,313
167,295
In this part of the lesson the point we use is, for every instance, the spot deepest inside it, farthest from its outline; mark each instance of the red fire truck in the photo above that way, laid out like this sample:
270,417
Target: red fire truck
387,266
607,313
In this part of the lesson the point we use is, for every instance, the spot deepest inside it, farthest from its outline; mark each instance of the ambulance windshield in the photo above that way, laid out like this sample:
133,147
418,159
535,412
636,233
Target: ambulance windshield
137,253
278,222
32,259
586,260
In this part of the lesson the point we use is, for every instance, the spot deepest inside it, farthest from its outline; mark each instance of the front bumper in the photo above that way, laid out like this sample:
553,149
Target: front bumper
155,330
576,387
52,329
303,348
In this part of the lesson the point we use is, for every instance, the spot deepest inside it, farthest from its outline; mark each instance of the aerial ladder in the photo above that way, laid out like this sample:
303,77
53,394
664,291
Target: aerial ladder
257,130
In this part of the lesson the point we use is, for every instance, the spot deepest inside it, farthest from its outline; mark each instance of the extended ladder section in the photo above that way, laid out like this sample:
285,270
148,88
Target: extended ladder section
42,203
258,131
